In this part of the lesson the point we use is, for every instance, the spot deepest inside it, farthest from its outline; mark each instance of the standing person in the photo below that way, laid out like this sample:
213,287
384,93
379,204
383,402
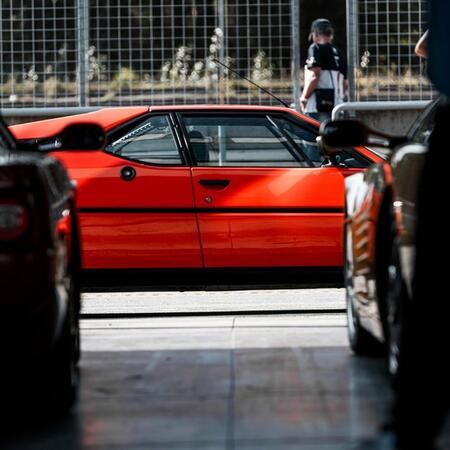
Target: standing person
325,73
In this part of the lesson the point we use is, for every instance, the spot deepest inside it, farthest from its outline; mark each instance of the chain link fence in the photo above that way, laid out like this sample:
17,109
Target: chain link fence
69,53
122,52
38,54
383,37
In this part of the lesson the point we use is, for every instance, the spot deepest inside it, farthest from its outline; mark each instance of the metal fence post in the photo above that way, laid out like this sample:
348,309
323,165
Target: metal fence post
221,12
82,50
296,62
352,47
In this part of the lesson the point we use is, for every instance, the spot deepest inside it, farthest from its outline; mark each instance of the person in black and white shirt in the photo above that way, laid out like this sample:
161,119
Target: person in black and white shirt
325,73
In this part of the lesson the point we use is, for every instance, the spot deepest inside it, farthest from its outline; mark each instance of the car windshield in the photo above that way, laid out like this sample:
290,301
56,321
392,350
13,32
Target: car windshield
420,131
382,153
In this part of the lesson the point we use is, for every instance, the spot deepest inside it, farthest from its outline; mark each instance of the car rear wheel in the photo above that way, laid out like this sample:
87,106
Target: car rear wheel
361,342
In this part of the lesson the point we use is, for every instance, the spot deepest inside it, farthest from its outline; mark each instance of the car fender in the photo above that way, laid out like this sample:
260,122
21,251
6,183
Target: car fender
354,193
407,165
365,193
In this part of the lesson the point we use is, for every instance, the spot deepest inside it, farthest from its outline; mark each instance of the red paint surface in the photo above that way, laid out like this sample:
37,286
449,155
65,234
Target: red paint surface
275,238
133,240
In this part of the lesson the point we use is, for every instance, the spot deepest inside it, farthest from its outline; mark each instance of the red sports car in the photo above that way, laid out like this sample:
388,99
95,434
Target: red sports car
206,187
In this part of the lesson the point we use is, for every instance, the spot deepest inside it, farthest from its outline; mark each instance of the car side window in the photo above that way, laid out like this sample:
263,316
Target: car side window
151,142
241,141
304,139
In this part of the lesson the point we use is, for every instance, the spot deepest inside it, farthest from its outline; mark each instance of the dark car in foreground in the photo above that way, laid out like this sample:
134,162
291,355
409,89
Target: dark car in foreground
39,265
379,232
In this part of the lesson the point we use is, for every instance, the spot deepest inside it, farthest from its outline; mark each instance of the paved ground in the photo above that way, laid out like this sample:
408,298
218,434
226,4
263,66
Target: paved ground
223,382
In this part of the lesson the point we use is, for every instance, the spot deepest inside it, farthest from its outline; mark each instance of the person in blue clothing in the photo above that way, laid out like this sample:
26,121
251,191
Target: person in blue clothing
325,73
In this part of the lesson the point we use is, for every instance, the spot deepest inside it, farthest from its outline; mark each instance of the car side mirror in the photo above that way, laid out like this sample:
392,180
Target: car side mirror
77,136
338,134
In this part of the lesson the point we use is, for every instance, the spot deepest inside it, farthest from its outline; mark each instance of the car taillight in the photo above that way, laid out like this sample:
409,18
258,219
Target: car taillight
13,220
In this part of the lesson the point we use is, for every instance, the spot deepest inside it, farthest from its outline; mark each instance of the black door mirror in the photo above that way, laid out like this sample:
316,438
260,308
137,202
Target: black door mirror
343,133
338,134
77,136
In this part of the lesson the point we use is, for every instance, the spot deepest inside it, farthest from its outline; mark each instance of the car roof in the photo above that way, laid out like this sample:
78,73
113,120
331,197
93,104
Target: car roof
234,108
210,107
109,118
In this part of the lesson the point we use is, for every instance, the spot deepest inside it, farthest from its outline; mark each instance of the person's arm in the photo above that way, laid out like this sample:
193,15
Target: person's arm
343,69
421,48
346,88
310,85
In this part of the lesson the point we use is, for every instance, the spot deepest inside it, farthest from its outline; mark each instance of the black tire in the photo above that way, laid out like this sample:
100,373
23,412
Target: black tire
75,279
61,369
396,300
73,294
360,340
62,375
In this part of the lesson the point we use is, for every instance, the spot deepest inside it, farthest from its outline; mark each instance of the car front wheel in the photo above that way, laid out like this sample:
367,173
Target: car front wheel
62,375
395,305
61,372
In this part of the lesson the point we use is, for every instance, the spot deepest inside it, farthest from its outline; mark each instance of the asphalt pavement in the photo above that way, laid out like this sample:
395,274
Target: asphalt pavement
238,381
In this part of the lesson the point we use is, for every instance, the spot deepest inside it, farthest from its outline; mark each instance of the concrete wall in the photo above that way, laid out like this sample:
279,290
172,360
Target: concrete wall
394,122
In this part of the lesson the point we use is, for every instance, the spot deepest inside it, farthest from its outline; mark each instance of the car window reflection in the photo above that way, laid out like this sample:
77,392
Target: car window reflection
252,141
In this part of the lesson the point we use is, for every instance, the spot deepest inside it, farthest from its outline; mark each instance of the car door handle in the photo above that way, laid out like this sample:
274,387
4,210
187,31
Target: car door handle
215,183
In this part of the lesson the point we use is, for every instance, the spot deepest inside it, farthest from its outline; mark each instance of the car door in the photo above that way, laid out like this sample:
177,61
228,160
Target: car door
261,198
135,199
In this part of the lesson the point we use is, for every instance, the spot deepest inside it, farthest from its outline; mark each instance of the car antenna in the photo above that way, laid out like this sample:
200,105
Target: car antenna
251,82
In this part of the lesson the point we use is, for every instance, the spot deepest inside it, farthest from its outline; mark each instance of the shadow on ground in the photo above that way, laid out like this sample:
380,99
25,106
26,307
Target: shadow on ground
249,398
210,279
